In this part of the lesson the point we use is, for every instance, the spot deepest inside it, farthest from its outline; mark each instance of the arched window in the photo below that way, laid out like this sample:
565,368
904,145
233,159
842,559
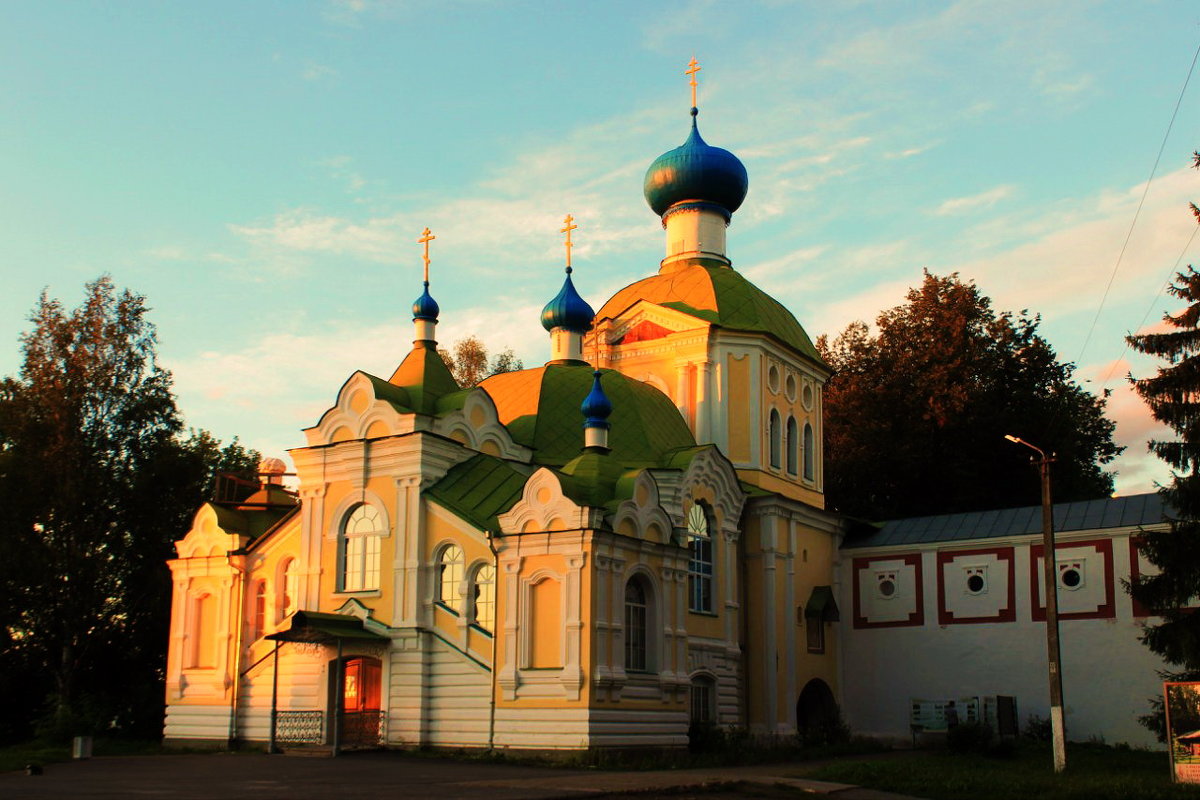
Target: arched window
288,588
775,434
636,628
700,565
483,598
704,700
793,446
258,609
810,455
450,575
360,539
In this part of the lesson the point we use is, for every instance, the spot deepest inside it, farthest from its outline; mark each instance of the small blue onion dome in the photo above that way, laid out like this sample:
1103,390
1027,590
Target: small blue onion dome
596,406
425,307
568,310
696,172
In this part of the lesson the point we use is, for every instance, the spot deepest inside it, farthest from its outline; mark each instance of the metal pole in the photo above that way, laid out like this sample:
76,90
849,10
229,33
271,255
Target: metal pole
1050,591
338,694
1053,651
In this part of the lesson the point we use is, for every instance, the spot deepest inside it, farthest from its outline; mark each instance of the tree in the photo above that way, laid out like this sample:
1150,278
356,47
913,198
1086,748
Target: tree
469,361
96,482
1173,395
915,415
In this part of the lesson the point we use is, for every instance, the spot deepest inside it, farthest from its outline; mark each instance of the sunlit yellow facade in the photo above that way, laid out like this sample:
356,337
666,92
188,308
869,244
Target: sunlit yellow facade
527,564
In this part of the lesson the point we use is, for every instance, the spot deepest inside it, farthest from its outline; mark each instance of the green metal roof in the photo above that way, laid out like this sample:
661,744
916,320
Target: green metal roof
479,489
541,409
1107,512
424,378
314,626
591,478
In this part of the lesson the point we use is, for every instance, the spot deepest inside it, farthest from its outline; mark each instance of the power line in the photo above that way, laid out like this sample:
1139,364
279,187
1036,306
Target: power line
1153,171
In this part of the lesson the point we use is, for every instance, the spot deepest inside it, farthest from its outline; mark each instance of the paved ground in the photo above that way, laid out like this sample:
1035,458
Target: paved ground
392,775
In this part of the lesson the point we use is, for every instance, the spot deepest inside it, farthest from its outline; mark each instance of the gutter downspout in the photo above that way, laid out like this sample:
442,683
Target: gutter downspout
495,636
236,659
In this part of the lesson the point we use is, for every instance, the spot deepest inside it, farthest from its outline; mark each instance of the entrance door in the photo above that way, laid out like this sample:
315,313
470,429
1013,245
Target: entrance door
361,716
360,684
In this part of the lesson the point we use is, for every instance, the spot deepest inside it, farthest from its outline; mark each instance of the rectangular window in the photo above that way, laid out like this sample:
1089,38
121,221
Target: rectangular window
816,636
700,575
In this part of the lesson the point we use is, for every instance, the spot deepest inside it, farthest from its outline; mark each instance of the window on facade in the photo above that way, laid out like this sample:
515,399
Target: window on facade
1070,574
258,609
289,585
703,697
816,636
450,575
793,446
776,437
810,455
700,567
483,603
635,626
203,632
360,540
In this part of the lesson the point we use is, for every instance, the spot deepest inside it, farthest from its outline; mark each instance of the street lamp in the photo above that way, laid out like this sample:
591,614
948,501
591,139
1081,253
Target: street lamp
1053,652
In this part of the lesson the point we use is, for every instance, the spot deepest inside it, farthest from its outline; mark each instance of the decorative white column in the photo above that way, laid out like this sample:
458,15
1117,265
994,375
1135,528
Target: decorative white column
703,412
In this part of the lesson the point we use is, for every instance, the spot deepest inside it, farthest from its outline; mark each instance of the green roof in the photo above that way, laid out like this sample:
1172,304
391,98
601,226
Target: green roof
424,377
591,478
540,408
317,627
479,489
719,295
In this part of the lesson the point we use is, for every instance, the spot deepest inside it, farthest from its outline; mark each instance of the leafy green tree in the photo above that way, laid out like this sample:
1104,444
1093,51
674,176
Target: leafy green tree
1173,395
96,482
916,414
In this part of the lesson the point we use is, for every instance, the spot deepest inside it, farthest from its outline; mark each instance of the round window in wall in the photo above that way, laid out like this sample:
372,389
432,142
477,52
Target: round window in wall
975,584
887,587
806,397
1071,578
773,379
790,388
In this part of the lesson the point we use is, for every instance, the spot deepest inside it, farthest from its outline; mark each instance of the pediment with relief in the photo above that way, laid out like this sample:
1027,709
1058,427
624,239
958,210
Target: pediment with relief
361,413
477,425
646,321
545,507
207,537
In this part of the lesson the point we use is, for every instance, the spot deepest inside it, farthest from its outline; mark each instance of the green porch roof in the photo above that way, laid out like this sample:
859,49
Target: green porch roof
479,489
320,628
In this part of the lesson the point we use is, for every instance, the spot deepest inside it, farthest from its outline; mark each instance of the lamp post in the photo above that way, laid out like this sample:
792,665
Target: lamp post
1053,652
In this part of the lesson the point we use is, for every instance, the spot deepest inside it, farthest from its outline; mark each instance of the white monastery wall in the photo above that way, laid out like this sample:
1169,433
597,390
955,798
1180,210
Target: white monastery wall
968,621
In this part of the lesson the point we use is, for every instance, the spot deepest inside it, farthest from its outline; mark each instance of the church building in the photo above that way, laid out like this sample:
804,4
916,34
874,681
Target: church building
627,541
597,552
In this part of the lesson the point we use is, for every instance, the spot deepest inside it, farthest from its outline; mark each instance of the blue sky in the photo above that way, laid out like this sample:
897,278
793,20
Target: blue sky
261,171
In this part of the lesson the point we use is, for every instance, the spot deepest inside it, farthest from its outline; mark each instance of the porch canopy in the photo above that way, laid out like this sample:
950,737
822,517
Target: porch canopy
315,627
821,606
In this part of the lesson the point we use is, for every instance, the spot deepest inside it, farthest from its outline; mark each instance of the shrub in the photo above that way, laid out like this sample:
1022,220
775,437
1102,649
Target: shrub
969,737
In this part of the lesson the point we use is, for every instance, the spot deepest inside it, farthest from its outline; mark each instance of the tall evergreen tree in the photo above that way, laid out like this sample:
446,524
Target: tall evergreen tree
915,415
1173,395
96,482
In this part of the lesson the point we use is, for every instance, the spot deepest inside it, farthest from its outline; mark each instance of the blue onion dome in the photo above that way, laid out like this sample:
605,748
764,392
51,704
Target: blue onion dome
596,406
425,307
568,310
696,173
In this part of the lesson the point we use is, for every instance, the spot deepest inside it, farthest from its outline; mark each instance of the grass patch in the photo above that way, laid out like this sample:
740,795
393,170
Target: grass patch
16,757
1094,772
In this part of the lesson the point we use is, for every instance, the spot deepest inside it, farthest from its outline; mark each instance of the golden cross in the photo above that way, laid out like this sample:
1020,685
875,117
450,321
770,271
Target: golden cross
426,238
567,230
693,68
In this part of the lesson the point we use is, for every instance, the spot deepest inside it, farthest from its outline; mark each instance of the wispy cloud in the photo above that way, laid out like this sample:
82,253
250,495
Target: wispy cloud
314,72
975,202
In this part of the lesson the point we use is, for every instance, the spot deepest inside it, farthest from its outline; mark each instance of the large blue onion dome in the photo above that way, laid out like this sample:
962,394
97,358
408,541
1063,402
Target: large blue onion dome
695,172
596,406
425,307
568,310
